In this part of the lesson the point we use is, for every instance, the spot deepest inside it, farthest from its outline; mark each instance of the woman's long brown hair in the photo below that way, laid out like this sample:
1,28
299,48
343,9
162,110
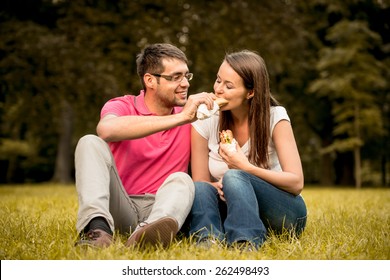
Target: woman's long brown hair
252,69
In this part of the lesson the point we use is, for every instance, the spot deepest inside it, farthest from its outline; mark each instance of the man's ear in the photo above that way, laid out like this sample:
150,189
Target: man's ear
150,81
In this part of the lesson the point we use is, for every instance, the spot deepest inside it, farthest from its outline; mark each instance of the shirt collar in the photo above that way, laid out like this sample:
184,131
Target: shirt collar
139,104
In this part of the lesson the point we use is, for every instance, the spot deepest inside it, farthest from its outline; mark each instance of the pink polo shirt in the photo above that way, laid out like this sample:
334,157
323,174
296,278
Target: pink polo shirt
143,164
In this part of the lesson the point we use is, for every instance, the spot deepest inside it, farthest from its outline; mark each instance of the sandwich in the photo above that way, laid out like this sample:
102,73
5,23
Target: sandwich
221,102
226,137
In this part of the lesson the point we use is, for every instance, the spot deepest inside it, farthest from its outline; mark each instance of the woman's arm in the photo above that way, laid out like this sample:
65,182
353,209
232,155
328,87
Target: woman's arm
200,161
291,177
199,157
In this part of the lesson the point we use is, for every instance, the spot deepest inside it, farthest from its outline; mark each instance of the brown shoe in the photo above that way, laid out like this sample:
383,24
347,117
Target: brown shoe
95,238
161,232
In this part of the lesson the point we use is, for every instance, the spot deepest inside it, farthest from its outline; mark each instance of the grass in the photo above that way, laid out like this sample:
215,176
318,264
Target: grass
37,222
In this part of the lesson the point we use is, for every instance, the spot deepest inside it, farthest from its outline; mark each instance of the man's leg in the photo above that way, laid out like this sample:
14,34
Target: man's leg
172,205
102,198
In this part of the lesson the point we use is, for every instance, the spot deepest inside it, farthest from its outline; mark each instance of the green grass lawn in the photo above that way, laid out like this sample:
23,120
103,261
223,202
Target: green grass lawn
38,223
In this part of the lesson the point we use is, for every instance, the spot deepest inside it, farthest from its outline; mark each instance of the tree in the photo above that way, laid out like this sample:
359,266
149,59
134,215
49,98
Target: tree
350,76
54,76
61,60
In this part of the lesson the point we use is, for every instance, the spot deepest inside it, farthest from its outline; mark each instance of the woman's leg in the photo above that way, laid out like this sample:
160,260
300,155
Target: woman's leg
279,210
243,221
205,218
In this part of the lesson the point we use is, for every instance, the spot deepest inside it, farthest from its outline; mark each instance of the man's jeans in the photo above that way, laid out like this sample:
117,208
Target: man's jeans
252,208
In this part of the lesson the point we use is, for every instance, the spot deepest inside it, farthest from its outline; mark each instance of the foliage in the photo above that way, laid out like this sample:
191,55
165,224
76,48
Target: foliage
61,60
349,76
352,81
38,223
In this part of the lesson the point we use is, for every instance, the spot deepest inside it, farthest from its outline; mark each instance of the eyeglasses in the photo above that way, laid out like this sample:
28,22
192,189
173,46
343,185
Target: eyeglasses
177,77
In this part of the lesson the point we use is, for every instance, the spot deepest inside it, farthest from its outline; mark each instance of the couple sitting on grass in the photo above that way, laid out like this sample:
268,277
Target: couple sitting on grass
132,177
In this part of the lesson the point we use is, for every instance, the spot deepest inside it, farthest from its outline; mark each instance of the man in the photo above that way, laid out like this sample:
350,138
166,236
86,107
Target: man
138,182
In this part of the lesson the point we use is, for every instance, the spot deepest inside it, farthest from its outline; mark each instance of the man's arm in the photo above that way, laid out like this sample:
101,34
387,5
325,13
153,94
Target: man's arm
112,128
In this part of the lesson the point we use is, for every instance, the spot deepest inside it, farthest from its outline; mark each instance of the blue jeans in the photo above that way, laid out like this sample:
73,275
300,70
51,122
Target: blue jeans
252,208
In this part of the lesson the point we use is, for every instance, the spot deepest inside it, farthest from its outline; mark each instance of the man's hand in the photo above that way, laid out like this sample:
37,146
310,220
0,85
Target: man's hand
193,102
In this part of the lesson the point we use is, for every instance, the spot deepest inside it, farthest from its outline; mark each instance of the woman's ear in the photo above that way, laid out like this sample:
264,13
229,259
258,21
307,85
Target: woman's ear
250,95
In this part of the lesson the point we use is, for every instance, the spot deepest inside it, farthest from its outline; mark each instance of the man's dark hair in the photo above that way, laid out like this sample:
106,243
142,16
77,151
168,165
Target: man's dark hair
151,57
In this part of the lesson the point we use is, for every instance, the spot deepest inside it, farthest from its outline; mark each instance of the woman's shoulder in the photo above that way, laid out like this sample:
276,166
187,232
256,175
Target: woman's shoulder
209,122
278,113
278,109
207,126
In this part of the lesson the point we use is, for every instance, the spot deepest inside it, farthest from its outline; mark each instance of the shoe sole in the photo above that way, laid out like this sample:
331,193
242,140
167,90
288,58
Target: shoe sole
102,241
161,232
85,244
90,244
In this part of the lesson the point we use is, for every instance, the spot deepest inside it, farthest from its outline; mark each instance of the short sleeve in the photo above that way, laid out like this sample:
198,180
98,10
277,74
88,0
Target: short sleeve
278,113
119,106
207,128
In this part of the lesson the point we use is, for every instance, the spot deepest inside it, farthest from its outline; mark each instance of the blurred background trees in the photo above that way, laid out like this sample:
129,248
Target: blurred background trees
60,60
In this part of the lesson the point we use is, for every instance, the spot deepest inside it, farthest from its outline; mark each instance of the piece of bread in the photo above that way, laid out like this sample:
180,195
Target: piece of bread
226,136
221,101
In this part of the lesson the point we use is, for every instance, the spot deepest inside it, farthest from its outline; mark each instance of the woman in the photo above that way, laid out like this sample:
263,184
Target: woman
241,195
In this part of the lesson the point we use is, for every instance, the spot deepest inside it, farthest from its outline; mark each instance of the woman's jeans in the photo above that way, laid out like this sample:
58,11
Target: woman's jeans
252,208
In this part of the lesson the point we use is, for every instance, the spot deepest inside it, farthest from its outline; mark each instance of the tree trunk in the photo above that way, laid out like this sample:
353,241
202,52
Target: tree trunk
326,176
356,149
383,170
358,170
344,169
62,172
